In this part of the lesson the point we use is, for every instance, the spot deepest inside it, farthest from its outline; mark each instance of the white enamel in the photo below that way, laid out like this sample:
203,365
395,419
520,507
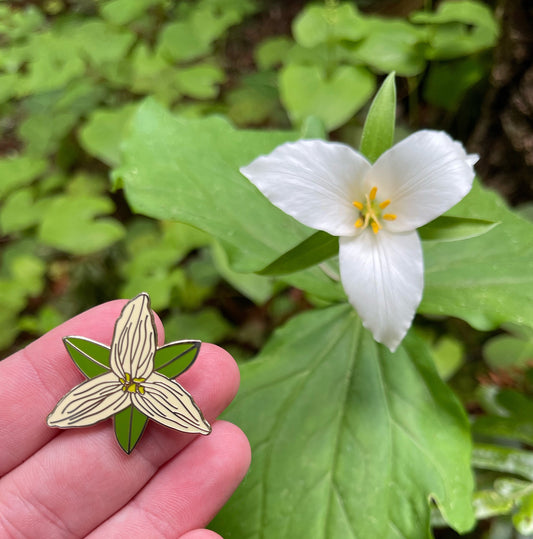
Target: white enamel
134,340
168,403
90,402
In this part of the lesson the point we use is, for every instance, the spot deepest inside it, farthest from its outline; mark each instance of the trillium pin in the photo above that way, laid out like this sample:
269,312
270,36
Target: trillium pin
131,381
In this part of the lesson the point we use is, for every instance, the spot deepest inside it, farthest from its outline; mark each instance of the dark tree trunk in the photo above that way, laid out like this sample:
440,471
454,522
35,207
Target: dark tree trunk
504,135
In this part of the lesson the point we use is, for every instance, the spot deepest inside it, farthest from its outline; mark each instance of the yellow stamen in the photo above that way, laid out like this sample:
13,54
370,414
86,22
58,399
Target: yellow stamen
359,223
141,390
132,388
124,389
139,380
389,216
375,227
128,377
384,204
358,204
372,194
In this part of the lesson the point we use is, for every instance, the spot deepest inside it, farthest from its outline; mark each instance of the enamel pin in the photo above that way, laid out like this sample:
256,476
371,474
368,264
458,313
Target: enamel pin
131,381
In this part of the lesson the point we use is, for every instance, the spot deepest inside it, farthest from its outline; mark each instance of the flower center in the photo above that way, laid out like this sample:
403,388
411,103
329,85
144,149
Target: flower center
132,386
371,212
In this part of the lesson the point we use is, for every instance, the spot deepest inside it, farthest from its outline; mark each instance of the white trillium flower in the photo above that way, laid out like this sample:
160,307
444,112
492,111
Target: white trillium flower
374,209
131,381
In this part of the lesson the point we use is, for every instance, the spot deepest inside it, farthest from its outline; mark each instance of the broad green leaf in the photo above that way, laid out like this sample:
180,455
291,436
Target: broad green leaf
307,90
507,351
70,223
122,12
21,211
188,171
447,82
256,101
459,28
391,45
486,280
200,81
207,325
129,426
348,439
272,52
317,24
378,131
18,171
503,459
315,249
523,518
446,228
174,358
101,43
91,358
102,133
255,287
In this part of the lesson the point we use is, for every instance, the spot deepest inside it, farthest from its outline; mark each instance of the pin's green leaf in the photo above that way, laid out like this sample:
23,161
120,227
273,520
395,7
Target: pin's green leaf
91,358
176,357
129,426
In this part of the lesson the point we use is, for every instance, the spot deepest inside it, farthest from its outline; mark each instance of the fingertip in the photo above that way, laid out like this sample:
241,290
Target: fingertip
201,534
231,436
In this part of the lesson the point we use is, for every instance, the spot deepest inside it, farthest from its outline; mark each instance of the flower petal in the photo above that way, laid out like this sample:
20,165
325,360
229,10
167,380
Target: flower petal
423,176
134,340
166,402
90,402
313,181
383,275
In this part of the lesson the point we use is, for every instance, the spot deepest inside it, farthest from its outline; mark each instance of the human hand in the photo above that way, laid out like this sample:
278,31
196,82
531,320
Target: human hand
79,482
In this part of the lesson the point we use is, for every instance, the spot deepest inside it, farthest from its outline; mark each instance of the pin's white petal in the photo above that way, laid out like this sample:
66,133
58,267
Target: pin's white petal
423,176
383,276
313,181
90,402
134,340
166,402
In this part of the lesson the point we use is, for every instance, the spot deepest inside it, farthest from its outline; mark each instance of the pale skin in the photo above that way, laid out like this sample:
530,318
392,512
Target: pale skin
78,482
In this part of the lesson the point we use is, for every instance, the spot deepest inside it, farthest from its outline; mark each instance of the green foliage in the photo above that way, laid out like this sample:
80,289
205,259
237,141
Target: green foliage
301,405
347,439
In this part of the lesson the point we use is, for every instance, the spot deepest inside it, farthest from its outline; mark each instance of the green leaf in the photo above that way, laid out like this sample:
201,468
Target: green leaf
503,459
207,325
21,211
19,171
129,426
523,518
307,90
507,351
69,223
317,24
447,228
348,439
200,80
447,82
391,45
188,170
175,358
313,128
122,12
102,133
459,28
486,280
378,131
315,249
91,358
272,51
